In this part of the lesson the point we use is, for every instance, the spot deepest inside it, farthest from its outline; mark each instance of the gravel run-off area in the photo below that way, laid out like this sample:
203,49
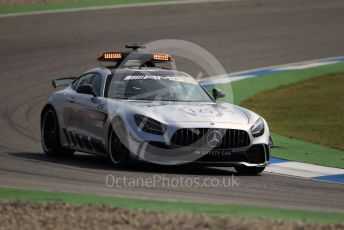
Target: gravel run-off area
57,215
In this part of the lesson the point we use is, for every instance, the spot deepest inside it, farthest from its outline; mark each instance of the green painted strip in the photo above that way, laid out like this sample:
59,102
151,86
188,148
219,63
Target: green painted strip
301,151
70,5
170,206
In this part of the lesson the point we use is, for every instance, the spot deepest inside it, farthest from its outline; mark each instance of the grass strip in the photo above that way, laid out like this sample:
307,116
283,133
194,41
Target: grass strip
171,206
246,88
289,148
70,5
311,110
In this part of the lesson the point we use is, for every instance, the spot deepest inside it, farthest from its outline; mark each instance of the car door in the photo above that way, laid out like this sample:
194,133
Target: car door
91,111
72,121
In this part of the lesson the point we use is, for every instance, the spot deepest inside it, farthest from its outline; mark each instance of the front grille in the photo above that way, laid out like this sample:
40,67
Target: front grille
199,138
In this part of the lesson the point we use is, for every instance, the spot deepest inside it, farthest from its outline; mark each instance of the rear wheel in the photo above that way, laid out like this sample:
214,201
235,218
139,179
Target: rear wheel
118,142
50,135
245,170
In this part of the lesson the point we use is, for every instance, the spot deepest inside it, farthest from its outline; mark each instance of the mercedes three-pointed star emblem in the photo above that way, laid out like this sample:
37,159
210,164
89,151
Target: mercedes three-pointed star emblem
214,139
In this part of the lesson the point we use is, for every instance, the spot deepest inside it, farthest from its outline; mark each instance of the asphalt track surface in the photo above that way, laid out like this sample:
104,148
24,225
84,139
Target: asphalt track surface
242,35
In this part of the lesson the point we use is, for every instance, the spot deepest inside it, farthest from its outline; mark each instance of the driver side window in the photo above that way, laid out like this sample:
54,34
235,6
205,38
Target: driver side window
85,79
96,83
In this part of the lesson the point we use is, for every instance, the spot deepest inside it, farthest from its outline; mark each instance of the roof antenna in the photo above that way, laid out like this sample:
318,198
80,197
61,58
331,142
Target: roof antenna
134,46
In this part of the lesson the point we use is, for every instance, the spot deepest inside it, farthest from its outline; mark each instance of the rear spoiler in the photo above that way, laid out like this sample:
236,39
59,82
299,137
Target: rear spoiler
62,81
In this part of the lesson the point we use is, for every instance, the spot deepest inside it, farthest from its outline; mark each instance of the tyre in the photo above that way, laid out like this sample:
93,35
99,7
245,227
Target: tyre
117,145
51,137
245,170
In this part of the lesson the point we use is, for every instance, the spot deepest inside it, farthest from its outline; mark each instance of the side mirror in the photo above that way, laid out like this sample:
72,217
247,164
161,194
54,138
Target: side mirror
217,93
86,89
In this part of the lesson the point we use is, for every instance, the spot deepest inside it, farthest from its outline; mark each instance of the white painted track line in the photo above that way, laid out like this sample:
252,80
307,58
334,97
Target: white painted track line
302,169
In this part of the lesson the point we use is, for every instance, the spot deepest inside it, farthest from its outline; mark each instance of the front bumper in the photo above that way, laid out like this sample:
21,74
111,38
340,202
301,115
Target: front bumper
160,153
160,149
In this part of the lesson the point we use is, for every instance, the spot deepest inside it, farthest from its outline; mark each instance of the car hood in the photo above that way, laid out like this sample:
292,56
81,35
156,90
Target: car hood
194,112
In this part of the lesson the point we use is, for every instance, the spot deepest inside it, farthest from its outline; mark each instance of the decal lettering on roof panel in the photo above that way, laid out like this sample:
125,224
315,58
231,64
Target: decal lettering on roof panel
153,77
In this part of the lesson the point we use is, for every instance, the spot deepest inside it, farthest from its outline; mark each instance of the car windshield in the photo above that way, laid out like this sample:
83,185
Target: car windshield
162,86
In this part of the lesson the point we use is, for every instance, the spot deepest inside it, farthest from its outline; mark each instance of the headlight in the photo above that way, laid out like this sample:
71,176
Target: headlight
149,125
257,128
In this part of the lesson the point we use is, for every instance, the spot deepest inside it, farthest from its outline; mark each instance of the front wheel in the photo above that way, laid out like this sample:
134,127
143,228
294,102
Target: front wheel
246,170
51,136
118,142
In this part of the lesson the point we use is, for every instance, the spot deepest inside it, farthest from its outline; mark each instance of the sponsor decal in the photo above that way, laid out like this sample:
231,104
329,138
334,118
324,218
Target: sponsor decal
153,77
214,153
202,111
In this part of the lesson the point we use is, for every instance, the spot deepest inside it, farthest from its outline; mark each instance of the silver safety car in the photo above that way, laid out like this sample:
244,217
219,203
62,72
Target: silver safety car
133,111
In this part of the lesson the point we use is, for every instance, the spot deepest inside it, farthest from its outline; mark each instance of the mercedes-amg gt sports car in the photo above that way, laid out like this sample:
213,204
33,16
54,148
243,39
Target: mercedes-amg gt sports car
135,111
